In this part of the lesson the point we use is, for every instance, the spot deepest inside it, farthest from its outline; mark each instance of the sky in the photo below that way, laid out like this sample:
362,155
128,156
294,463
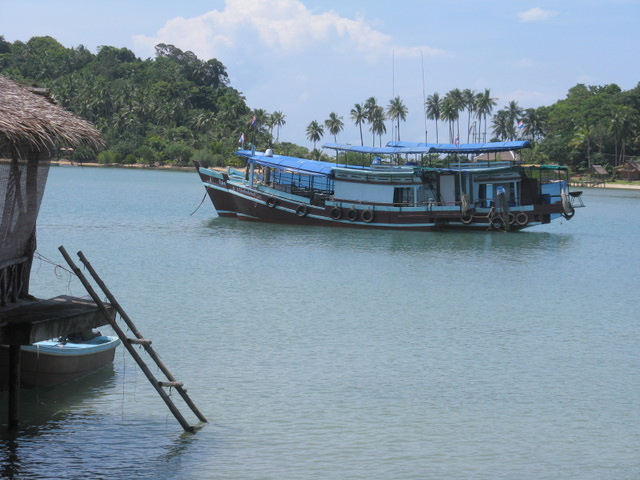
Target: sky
309,58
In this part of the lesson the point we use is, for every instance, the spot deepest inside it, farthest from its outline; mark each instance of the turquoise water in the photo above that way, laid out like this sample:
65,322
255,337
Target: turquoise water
339,354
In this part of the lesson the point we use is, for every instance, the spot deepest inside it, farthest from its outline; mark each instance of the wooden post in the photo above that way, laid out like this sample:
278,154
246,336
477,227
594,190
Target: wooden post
14,386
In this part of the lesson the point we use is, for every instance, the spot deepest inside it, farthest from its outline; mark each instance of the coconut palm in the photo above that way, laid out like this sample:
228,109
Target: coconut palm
358,115
278,120
449,113
484,107
533,124
397,111
314,132
503,127
433,107
334,124
469,100
621,128
514,113
376,120
456,102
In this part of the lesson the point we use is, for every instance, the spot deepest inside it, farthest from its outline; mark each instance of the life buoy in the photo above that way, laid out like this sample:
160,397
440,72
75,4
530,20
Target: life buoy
497,222
336,213
271,202
302,210
367,215
352,214
568,210
466,218
522,219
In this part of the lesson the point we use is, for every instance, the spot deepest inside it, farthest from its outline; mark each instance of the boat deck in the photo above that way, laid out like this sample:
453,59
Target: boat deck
36,320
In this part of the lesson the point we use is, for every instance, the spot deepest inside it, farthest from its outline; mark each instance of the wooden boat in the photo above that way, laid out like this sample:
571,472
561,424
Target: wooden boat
393,192
54,362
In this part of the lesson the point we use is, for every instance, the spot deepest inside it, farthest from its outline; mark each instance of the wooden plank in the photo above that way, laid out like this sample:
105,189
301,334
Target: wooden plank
37,320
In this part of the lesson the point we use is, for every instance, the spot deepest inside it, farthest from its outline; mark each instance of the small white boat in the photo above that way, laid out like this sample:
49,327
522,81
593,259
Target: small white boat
54,362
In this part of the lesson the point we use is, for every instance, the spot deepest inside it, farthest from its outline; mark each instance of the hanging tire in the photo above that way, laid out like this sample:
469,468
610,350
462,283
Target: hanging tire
367,215
466,219
271,202
302,210
512,219
569,212
336,213
497,222
352,214
522,219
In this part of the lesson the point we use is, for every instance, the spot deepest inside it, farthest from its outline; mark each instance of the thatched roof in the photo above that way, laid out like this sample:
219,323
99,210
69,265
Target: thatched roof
30,121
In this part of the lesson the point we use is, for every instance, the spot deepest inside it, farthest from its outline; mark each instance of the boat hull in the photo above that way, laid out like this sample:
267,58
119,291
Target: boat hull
217,189
236,195
50,363
253,205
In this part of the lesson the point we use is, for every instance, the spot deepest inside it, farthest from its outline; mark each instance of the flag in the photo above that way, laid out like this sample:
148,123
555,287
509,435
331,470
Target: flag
520,126
254,121
241,139
457,141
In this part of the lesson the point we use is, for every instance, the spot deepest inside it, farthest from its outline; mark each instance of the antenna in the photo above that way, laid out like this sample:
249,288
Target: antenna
393,73
424,99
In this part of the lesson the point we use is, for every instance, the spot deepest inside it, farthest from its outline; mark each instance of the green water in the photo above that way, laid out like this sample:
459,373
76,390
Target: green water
342,354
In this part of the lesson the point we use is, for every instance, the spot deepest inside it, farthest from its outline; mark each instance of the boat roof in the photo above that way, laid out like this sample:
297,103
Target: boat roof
395,148
292,164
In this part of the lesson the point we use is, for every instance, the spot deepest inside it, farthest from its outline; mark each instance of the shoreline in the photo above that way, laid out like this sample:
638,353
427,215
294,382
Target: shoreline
66,163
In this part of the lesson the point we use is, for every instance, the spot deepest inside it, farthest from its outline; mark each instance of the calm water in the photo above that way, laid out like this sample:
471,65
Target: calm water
336,354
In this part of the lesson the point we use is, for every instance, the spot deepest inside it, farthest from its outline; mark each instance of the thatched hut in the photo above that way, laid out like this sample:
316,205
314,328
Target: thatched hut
32,129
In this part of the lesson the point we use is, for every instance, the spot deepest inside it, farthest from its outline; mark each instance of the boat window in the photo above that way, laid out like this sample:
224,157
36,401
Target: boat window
403,196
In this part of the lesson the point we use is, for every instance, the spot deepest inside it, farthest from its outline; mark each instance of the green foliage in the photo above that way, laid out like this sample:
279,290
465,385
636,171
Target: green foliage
158,110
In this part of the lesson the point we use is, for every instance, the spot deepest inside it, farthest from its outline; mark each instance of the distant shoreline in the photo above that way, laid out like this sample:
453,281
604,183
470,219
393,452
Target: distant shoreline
67,163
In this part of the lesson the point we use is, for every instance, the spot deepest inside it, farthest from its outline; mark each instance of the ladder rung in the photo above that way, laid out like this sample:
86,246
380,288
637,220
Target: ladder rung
170,384
139,341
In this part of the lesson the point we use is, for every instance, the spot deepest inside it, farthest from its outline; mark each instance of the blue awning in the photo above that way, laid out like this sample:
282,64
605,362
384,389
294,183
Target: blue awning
388,150
300,166
468,148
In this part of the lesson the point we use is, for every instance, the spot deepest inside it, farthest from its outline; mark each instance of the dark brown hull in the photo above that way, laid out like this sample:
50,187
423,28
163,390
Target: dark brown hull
252,205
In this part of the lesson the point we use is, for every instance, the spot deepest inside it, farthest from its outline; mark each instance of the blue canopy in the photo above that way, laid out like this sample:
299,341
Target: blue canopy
388,150
300,166
463,148
398,148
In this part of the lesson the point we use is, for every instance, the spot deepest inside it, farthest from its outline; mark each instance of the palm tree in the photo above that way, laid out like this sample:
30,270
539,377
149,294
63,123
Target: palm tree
514,113
334,124
449,112
376,120
397,111
533,124
358,115
502,125
484,107
314,132
456,101
621,127
469,100
278,120
433,107
369,106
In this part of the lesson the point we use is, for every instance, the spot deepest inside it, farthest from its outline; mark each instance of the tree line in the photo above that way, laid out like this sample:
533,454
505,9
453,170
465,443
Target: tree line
176,108
592,125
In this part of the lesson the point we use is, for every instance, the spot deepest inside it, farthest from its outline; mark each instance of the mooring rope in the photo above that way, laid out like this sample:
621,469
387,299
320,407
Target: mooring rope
201,202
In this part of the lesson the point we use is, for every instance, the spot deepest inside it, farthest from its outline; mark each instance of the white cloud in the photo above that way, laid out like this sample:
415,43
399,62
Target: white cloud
536,15
283,26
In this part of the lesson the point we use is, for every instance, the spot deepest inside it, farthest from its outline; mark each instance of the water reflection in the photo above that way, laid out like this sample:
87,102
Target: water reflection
460,243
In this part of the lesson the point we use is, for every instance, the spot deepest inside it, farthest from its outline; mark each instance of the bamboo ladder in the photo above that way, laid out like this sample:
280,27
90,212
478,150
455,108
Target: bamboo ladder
138,340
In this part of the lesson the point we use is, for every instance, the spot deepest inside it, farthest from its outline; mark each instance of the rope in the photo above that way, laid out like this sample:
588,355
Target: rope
201,202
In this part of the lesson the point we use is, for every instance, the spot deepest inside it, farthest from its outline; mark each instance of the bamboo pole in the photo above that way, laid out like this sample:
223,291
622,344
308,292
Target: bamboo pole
126,344
145,343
